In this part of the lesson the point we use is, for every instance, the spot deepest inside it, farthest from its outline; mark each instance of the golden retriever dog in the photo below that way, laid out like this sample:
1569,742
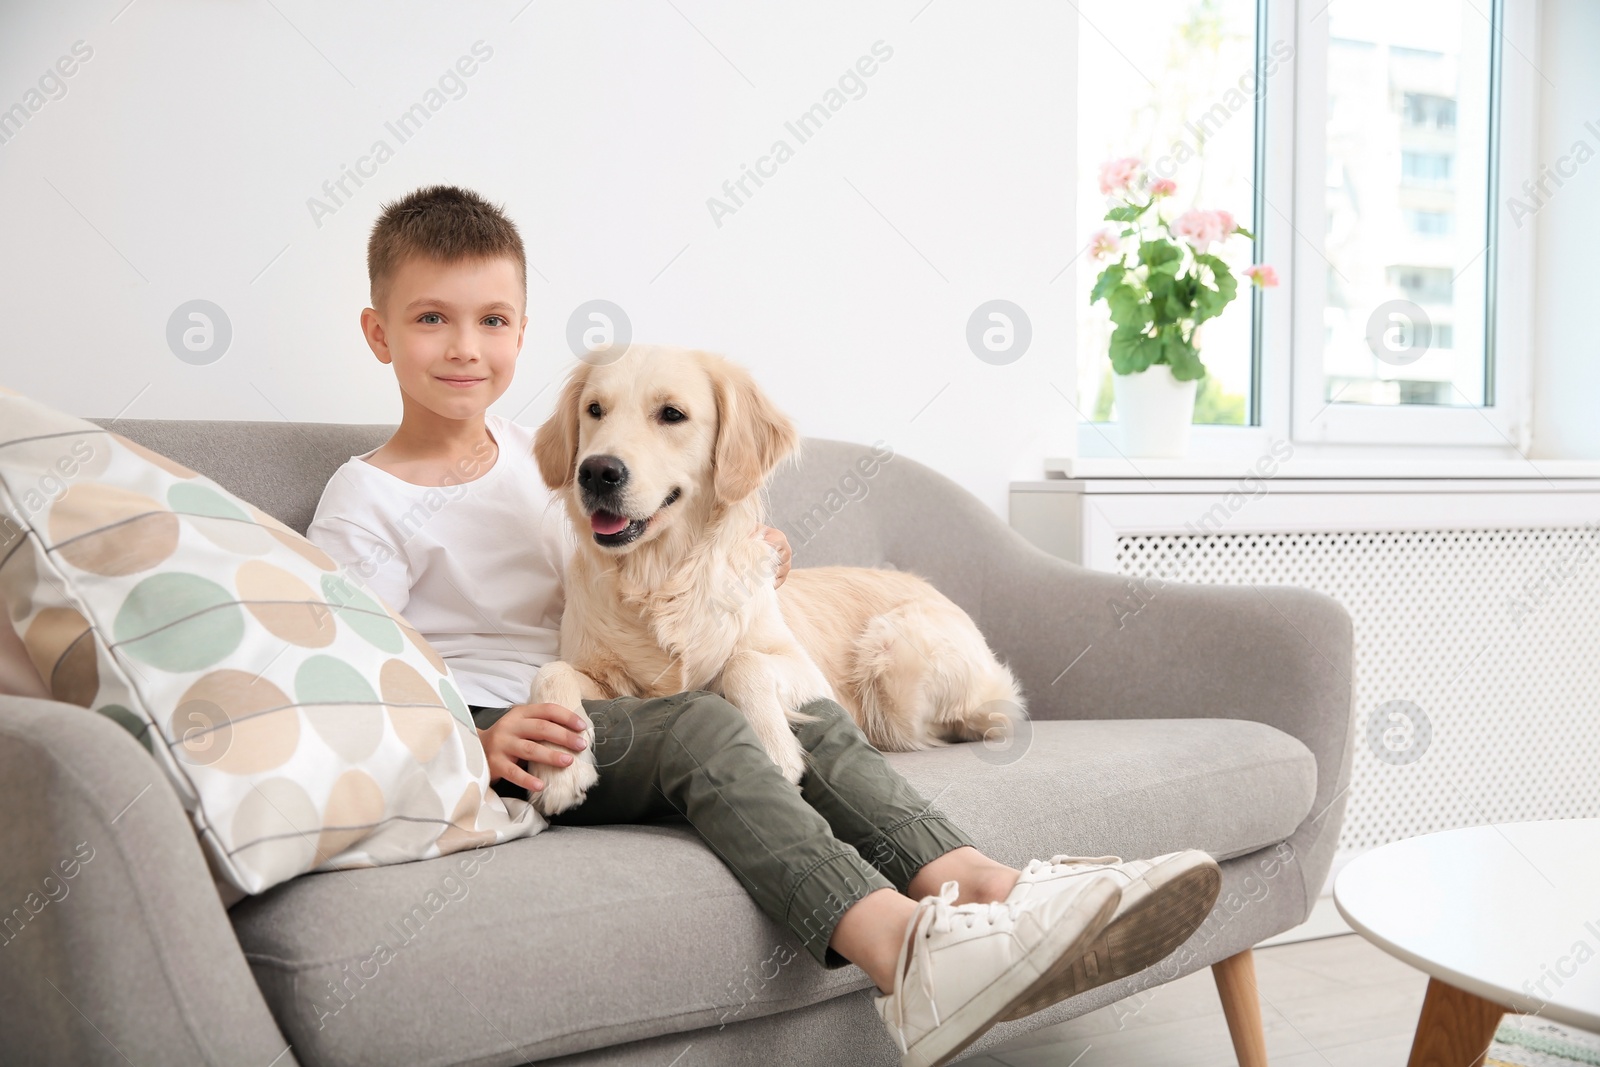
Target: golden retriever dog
661,458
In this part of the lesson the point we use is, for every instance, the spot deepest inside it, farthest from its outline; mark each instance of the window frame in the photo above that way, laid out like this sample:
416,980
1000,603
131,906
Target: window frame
1287,380
1502,422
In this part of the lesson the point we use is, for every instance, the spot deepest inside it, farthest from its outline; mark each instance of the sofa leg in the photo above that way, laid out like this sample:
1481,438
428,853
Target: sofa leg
1241,1005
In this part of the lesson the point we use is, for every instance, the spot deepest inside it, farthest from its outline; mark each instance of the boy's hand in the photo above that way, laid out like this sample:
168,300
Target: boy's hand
774,537
534,733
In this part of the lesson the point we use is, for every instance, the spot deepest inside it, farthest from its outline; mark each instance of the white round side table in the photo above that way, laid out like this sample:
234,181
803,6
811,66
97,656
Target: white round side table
1502,918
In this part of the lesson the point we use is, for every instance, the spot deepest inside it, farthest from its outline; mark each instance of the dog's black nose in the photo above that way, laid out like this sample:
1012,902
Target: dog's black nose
601,474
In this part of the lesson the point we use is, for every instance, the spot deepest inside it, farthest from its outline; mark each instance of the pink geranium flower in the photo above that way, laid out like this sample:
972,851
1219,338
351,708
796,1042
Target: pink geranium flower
1104,244
1117,175
1163,187
1201,228
1263,275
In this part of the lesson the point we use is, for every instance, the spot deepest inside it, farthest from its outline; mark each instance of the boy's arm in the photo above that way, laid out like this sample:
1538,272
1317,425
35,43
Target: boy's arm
365,556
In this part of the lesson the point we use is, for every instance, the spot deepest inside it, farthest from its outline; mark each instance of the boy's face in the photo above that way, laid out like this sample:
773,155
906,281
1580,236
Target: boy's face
451,331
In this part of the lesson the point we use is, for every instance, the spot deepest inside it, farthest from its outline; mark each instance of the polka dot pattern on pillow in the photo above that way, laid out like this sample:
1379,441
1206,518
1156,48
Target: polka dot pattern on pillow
304,724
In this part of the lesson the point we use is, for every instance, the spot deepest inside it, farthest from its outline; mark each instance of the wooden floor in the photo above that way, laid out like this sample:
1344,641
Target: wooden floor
1337,1002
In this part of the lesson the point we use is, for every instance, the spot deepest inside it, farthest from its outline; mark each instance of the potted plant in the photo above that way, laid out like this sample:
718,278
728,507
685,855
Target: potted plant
1162,284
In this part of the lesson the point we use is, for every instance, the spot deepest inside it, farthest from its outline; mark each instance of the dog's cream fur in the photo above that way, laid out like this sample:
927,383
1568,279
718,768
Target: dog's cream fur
689,604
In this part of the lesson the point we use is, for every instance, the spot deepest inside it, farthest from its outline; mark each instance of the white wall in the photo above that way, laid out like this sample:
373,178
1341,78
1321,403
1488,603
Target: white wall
180,160
1566,371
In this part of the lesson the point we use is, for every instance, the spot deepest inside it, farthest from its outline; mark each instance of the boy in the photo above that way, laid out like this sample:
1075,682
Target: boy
450,523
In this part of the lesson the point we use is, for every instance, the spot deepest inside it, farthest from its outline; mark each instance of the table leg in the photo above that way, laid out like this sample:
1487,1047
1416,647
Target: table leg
1455,1028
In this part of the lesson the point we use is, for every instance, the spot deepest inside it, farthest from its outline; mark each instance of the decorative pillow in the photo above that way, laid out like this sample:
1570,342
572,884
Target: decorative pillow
18,677
304,724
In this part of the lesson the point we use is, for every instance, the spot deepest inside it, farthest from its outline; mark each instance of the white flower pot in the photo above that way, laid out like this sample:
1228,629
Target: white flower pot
1155,411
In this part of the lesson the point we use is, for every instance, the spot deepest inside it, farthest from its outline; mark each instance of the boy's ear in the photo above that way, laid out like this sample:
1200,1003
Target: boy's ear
377,339
555,447
753,436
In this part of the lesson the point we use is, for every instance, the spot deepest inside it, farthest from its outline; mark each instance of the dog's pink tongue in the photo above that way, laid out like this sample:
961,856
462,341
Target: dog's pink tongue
606,523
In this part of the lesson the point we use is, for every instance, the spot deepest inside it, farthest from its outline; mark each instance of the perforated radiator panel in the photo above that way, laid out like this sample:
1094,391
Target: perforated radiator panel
1477,663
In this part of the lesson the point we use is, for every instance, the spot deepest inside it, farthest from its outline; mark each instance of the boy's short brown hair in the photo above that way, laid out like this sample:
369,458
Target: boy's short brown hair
443,223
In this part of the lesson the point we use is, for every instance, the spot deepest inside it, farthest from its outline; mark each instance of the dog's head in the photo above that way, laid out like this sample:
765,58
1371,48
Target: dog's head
659,433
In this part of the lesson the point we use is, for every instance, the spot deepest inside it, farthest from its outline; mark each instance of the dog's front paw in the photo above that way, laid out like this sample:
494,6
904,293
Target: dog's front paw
564,787
790,756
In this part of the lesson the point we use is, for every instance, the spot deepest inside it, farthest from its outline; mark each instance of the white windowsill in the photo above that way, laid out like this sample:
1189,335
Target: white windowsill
1082,468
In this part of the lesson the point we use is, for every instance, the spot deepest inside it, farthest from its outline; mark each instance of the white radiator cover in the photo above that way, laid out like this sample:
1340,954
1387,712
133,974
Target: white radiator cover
1476,607
1493,634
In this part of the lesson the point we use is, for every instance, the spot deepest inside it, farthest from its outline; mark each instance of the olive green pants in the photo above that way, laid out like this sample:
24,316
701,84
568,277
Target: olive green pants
804,854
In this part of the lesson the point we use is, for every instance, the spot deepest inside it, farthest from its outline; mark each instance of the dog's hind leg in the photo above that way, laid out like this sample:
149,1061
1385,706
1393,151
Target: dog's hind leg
926,676
990,708
891,678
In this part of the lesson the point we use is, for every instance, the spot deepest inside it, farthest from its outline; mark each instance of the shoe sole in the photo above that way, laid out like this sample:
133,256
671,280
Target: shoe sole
1178,903
974,1018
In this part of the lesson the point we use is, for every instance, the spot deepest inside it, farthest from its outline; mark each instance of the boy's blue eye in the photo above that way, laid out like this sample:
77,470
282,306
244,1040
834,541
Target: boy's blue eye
434,316
496,320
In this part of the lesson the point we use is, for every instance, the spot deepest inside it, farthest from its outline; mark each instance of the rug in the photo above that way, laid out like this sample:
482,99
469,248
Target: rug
1527,1041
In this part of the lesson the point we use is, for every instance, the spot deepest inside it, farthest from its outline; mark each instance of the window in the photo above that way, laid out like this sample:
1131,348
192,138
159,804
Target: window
1410,127
1425,168
1186,83
1431,112
1365,141
1428,223
1424,285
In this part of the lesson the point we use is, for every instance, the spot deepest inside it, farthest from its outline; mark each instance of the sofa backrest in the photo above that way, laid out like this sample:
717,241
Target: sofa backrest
280,467
840,503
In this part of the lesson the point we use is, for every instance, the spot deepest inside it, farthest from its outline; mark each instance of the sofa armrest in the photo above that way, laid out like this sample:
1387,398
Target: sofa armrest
114,944
1089,645
1086,644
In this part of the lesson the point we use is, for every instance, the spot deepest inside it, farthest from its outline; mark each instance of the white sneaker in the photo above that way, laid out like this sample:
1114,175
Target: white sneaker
1164,901
962,968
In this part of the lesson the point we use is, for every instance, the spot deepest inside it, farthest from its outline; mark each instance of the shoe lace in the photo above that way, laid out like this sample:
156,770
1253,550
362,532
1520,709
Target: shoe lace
939,913
1044,866
946,916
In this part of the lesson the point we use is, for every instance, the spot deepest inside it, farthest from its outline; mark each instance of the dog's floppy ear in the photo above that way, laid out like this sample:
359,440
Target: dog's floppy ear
555,447
752,435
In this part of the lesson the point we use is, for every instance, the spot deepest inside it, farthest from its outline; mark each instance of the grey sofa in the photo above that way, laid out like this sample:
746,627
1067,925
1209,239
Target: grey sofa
1212,717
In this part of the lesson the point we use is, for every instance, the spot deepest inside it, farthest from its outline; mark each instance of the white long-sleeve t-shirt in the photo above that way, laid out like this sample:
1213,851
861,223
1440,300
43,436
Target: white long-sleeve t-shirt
476,567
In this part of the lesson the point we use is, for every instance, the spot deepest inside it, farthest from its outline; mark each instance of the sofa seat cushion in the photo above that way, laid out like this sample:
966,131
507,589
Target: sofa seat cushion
582,938
1133,787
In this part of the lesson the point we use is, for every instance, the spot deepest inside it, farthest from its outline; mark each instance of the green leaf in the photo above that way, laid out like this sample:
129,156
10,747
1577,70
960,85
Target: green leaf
1166,307
1181,356
1154,253
1128,308
1125,351
1185,287
1211,263
1245,232
1208,305
1126,213
1108,280
1147,354
1211,301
